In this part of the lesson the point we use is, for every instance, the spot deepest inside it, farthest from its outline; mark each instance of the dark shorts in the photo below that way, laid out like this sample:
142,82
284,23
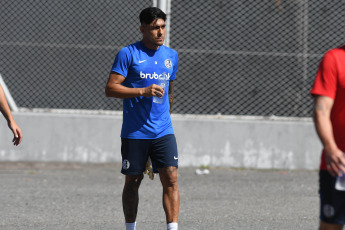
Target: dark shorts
135,152
332,201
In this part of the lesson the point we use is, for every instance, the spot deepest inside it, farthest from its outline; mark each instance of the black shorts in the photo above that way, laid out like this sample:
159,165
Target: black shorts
135,152
332,201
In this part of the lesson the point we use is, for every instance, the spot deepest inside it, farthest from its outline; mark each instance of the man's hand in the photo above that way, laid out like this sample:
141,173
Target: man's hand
17,133
335,161
153,90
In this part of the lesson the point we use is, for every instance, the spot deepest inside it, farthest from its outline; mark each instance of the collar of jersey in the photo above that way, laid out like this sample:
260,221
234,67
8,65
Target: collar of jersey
150,51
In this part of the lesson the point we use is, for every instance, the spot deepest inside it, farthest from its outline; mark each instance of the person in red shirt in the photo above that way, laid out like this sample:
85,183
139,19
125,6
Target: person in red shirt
329,120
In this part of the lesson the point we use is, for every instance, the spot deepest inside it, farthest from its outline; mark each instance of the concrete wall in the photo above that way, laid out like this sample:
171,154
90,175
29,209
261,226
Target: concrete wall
246,142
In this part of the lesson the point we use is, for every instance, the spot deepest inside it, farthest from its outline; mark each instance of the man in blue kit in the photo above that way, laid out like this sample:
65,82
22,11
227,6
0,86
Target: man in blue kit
147,129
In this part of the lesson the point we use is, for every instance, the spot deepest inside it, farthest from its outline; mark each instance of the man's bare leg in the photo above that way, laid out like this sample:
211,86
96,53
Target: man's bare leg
171,196
130,197
326,226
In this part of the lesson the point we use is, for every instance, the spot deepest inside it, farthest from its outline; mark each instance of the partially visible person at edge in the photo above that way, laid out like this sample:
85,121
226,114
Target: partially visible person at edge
147,129
329,119
5,110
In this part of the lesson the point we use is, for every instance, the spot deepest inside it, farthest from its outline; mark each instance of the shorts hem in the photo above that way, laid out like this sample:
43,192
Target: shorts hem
132,173
166,166
156,171
333,222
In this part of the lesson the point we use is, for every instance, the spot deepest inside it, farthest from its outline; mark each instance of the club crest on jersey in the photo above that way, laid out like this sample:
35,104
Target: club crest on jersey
168,63
125,164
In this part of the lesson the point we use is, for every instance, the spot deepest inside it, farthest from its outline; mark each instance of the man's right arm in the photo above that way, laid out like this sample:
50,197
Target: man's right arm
114,88
322,120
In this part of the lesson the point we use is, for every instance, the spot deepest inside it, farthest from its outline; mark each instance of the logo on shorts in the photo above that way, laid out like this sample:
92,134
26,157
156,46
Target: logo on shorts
168,63
328,210
125,164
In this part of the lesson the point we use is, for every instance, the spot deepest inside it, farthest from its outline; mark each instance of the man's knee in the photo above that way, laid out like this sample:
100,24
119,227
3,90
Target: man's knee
133,181
168,177
326,226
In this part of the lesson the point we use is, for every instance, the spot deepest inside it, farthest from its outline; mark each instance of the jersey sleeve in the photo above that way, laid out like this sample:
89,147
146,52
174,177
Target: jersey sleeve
175,65
122,62
325,83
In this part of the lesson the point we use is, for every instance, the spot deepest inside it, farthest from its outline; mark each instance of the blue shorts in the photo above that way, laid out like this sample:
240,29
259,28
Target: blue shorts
135,152
332,201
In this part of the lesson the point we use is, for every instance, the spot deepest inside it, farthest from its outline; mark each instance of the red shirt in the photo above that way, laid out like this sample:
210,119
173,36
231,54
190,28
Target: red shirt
330,82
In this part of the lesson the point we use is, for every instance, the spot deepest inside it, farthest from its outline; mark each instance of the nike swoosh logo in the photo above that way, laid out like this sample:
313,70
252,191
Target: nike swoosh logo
142,61
175,158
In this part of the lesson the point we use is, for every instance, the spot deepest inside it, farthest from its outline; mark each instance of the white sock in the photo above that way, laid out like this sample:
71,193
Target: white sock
172,226
130,226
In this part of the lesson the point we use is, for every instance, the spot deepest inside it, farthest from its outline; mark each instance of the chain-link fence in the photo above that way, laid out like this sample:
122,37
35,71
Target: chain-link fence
58,54
252,57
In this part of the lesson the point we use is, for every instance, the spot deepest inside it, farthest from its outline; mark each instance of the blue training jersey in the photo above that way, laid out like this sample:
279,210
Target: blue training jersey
141,66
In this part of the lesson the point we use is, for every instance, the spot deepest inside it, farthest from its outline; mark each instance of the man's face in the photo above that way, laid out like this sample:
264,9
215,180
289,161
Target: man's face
154,33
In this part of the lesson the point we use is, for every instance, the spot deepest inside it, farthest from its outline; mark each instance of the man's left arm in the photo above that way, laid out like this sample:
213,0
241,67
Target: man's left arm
5,110
171,95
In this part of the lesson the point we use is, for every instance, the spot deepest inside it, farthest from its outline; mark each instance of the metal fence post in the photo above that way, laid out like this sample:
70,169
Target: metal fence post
165,6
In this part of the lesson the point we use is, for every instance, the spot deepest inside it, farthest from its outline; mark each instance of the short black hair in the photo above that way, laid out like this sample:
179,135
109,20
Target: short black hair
150,14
